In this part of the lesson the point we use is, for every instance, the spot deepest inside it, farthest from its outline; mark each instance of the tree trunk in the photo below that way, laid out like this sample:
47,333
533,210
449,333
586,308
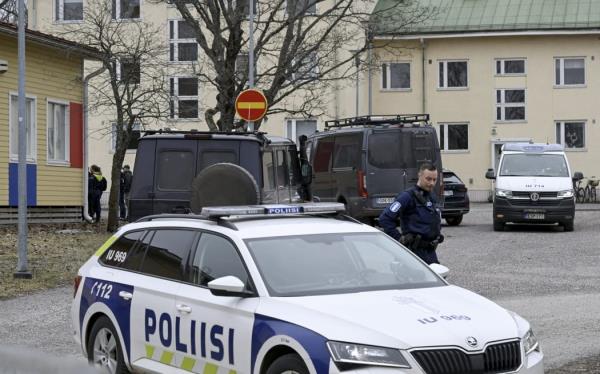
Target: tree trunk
113,197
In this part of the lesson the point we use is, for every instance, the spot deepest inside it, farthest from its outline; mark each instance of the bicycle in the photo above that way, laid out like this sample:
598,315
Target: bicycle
590,189
579,191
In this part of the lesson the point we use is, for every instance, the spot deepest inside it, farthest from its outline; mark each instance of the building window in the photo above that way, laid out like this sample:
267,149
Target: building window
136,133
184,97
454,136
569,71
294,128
246,8
58,132
241,66
510,67
182,41
69,10
30,124
307,68
510,105
126,9
395,75
129,72
571,134
453,74
301,7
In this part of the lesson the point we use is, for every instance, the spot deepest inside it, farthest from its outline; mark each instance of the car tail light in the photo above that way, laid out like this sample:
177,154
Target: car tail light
76,282
362,184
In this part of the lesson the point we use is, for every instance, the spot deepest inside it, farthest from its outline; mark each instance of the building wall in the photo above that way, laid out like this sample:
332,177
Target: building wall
50,74
475,105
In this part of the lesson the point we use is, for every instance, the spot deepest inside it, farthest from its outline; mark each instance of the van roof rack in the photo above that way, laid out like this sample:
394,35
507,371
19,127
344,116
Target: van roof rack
379,120
195,134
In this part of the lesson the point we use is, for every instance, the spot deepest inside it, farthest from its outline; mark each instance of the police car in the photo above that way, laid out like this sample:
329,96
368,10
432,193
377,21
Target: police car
284,289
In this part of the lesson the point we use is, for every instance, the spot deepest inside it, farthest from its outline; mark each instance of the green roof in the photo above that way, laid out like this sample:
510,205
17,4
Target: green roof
464,16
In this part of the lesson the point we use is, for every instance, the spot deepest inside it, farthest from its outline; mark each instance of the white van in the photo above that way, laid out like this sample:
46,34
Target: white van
533,185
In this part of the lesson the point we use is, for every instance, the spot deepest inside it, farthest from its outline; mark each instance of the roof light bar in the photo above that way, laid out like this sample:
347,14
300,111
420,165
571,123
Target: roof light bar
272,210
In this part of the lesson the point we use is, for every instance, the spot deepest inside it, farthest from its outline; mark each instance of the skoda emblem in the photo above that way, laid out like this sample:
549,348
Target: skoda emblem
472,342
534,196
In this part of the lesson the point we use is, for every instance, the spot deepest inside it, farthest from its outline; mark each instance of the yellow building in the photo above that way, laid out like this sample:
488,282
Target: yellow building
54,91
491,72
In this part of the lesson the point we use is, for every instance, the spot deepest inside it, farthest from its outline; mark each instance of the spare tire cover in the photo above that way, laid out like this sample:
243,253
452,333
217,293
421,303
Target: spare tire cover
224,184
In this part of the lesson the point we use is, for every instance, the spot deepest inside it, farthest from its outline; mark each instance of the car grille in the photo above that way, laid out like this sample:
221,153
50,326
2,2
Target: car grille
540,202
527,194
497,358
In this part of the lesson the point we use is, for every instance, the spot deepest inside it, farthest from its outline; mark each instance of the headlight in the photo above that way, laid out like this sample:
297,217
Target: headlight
503,193
530,343
366,355
565,194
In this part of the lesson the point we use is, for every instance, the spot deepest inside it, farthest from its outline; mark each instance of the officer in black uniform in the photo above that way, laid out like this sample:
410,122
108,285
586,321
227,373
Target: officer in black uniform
420,220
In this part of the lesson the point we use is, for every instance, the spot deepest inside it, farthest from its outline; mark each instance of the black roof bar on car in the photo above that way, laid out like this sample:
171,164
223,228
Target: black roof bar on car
195,134
218,220
379,120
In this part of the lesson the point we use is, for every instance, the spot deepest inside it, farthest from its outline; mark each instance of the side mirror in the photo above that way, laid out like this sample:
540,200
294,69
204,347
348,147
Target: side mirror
577,176
440,270
307,173
489,174
228,286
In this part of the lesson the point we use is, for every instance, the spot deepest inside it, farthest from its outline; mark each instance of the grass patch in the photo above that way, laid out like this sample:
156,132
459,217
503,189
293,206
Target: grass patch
53,257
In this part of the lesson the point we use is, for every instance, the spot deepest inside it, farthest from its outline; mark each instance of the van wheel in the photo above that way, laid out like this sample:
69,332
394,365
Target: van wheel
224,184
290,363
498,226
104,349
454,221
569,225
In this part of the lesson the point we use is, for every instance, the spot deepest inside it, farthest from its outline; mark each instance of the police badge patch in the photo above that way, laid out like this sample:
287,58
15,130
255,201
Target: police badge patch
395,206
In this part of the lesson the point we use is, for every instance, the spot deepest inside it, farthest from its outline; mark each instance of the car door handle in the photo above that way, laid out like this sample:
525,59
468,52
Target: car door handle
184,308
126,295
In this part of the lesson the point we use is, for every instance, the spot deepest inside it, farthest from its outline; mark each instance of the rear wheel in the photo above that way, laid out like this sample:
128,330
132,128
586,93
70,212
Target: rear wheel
569,225
104,348
498,225
454,221
290,363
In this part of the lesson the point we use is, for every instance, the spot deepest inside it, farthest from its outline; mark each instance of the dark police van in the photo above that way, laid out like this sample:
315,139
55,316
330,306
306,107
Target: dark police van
364,162
182,171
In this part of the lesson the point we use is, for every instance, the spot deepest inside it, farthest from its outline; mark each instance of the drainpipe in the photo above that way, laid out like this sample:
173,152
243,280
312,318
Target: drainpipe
423,75
86,80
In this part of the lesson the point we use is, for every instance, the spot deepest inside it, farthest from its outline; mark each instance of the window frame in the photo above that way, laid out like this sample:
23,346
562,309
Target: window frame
113,138
445,87
67,124
561,83
503,67
388,76
119,70
176,40
309,75
14,156
562,142
446,125
503,105
59,12
116,10
175,98
308,13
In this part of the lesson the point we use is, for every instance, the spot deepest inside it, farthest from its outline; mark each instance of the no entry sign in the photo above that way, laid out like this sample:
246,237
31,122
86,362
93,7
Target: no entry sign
251,105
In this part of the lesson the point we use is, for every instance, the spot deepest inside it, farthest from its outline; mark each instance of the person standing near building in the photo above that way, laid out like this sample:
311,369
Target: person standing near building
420,220
124,188
97,185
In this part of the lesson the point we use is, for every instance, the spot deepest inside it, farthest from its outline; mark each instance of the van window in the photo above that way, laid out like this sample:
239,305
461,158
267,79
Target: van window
534,165
347,151
208,158
283,176
268,171
400,149
175,170
323,155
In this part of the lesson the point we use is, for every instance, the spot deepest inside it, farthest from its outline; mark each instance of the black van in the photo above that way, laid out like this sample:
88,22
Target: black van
364,162
181,171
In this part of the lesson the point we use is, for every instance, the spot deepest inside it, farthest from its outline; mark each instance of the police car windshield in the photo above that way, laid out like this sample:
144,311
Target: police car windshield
337,263
534,164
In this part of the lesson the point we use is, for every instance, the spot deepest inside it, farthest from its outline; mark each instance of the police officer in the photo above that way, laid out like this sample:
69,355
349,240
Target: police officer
420,220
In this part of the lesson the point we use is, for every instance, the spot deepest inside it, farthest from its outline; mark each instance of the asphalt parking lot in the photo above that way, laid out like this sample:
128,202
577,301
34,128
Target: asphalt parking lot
548,276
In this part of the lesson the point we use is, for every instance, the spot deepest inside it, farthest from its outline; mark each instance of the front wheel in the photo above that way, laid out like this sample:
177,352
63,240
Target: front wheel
104,349
569,225
454,221
498,225
290,363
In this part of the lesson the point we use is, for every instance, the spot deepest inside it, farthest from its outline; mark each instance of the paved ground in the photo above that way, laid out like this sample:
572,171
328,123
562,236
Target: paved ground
548,276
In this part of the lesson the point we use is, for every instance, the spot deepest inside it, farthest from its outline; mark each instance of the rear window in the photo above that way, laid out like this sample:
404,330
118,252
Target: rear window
347,151
451,178
175,170
401,149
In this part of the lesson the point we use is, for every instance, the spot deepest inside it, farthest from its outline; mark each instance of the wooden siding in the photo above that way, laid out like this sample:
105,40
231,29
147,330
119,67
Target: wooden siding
50,74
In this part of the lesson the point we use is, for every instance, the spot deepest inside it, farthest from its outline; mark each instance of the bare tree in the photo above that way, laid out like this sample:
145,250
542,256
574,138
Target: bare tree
9,11
133,87
299,52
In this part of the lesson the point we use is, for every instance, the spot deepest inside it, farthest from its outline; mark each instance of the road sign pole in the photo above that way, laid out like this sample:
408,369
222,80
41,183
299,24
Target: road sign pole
251,52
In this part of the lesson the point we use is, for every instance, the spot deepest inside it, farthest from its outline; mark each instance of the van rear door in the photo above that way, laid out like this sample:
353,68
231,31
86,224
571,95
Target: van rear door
393,160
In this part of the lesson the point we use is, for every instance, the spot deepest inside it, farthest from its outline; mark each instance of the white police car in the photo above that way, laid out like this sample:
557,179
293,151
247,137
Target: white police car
272,290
